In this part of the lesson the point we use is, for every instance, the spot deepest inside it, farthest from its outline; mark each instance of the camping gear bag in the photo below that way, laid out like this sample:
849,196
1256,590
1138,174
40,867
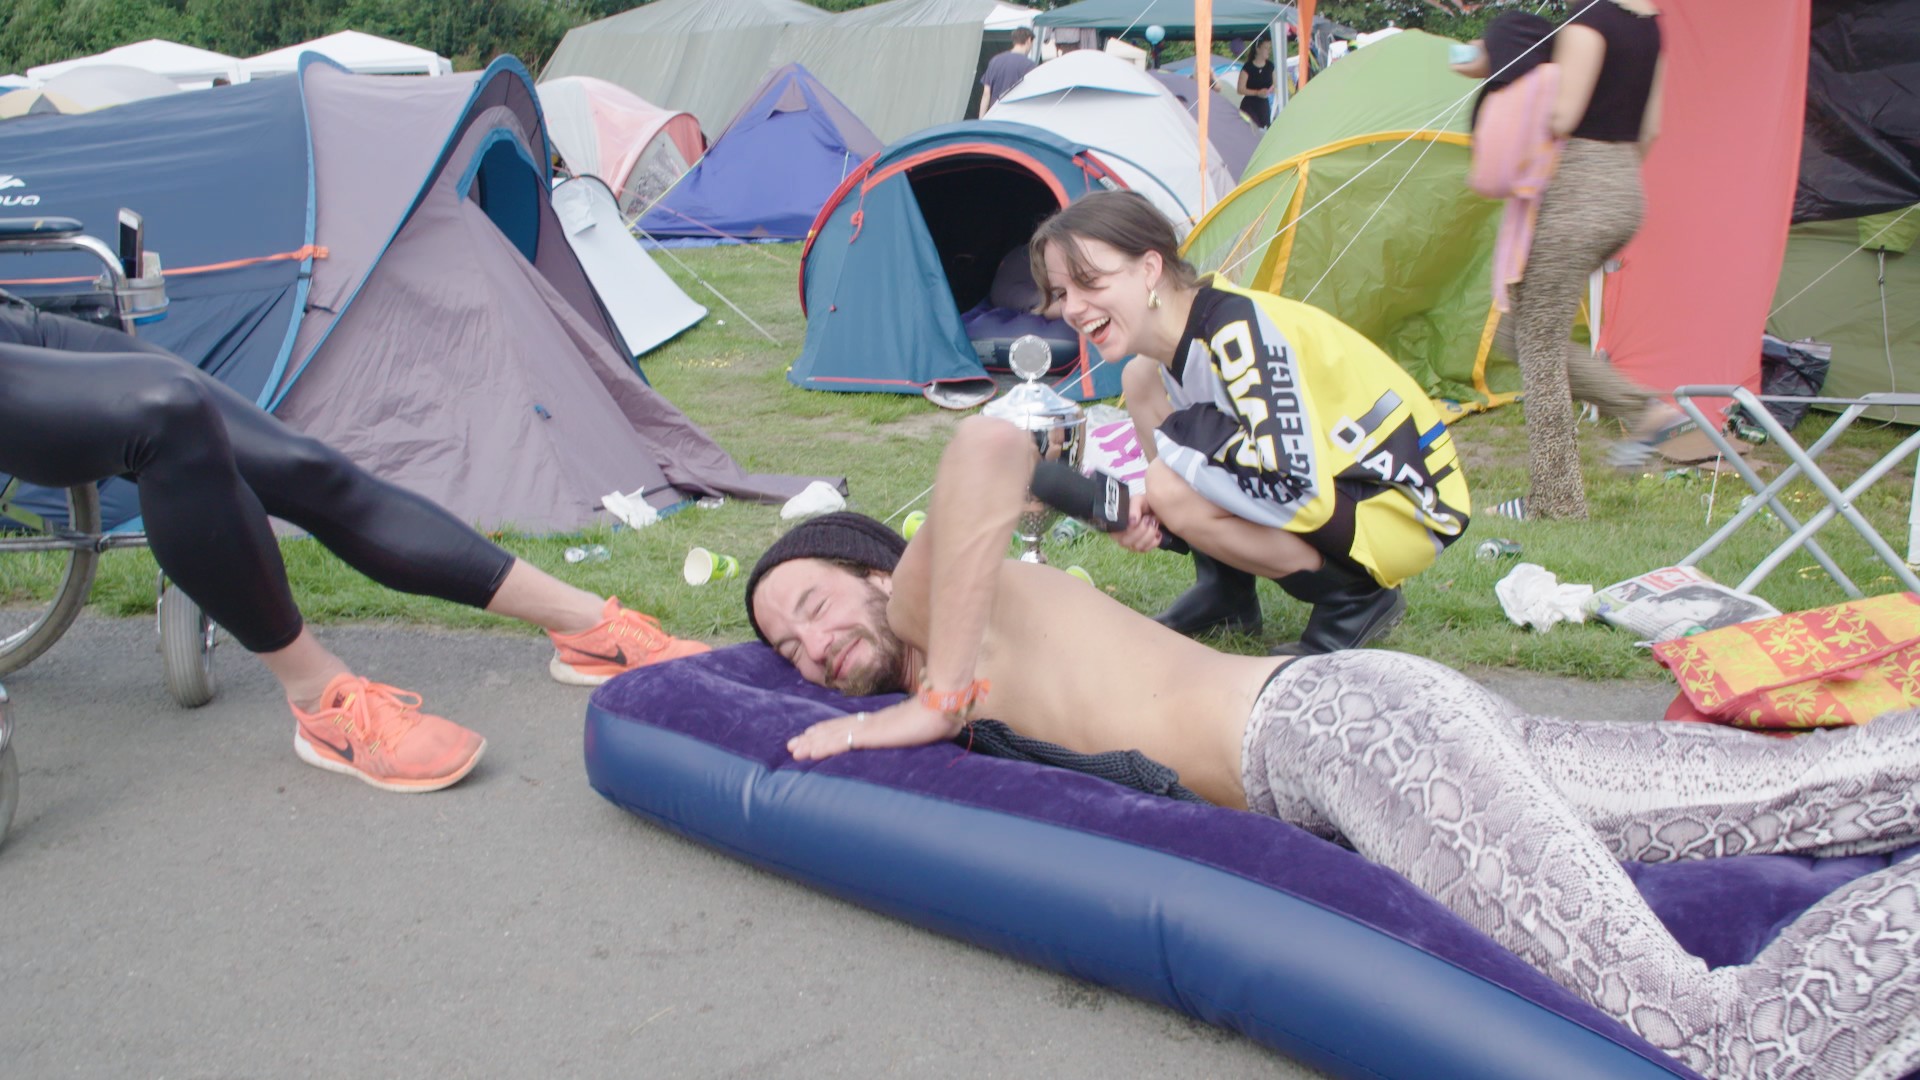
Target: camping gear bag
1790,369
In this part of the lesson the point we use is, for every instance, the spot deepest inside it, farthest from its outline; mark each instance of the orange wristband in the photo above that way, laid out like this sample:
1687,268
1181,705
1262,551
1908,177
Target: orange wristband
954,703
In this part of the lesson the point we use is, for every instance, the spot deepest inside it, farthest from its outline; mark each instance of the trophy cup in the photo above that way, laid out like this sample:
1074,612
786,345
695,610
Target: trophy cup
1058,428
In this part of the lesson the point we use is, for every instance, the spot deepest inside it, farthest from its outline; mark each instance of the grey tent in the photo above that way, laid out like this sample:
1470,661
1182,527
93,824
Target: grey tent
451,341
705,57
904,65
901,66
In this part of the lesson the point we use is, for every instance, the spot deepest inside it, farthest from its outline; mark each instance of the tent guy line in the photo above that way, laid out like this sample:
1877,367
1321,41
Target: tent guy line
1784,304
1430,125
1381,205
723,296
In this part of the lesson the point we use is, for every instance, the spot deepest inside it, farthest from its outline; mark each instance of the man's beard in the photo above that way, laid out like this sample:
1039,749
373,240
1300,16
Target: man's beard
883,672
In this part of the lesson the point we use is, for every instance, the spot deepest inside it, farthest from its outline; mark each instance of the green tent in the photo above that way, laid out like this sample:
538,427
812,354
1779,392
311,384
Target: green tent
1855,284
1356,201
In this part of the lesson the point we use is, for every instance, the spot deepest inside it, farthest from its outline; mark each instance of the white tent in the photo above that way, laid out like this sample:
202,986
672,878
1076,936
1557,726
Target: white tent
644,302
367,54
15,82
1009,17
1132,54
100,86
1131,120
188,67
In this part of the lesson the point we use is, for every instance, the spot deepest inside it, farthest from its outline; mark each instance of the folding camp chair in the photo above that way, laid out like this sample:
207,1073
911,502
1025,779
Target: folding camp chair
1838,501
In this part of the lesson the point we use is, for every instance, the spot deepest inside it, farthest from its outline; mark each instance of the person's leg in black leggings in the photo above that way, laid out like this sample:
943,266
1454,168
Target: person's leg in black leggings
71,418
390,534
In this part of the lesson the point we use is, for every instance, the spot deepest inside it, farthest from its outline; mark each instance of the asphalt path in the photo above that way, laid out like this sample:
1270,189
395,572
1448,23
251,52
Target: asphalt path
181,897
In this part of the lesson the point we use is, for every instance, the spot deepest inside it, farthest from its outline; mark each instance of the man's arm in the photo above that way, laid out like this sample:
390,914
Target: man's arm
943,587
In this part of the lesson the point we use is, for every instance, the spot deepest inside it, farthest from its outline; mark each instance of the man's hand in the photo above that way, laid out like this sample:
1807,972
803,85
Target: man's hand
908,723
1143,528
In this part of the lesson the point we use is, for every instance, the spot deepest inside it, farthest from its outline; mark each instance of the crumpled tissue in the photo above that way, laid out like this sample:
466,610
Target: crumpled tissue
1532,596
819,497
630,508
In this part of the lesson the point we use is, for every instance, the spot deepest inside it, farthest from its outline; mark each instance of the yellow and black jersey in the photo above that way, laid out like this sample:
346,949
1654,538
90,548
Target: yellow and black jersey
1288,417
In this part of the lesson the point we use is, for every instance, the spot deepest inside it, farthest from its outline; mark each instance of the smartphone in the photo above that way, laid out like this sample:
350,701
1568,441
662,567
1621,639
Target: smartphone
132,243
1461,52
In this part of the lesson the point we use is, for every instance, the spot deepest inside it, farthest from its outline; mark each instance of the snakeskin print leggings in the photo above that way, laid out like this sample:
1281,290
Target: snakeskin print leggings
1518,824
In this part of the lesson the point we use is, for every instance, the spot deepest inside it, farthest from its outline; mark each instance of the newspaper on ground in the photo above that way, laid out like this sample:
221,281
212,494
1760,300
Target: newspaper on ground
1675,601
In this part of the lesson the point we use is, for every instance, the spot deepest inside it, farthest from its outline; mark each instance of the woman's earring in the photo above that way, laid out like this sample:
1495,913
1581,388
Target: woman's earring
1153,298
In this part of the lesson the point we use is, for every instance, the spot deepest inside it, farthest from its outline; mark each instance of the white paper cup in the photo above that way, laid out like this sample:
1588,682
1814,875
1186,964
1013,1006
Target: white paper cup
703,566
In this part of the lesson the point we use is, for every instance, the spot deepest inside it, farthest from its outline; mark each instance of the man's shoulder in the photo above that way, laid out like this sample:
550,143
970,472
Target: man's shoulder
1010,63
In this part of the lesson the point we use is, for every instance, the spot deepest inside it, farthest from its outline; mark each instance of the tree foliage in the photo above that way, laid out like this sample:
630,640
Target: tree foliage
472,32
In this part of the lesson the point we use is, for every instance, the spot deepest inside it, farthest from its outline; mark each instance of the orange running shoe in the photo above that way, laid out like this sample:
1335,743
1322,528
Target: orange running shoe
378,733
623,640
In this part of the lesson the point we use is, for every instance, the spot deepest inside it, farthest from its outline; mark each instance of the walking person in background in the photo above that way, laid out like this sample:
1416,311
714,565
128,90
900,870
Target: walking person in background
1006,69
1608,111
1256,83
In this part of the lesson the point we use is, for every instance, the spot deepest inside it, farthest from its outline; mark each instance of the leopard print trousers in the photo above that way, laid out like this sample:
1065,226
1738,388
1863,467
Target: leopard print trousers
1589,212
1518,823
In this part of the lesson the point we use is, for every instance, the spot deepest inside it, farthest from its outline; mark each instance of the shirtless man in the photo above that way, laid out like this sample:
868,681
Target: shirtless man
1515,822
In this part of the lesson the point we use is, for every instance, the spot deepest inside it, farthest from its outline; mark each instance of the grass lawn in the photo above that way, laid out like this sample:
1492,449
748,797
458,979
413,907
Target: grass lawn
731,380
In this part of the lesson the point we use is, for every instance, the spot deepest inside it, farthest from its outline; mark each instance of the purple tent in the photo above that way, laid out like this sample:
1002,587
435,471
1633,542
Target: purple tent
771,170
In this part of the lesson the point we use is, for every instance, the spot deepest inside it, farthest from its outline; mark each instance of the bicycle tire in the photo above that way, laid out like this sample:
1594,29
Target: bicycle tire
76,581
186,646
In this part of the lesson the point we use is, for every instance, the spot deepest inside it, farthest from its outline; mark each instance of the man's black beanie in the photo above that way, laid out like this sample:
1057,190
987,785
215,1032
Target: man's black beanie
843,535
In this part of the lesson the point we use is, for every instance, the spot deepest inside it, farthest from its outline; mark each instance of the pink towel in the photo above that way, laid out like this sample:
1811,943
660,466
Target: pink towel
1514,154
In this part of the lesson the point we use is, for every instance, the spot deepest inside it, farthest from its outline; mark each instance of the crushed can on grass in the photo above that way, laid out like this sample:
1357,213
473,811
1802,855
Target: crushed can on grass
1499,548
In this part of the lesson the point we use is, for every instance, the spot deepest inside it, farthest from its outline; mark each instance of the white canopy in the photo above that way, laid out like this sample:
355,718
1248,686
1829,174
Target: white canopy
1005,16
367,54
1131,120
188,67
99,86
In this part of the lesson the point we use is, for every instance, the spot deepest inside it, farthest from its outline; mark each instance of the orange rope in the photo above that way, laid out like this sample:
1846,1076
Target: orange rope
313,251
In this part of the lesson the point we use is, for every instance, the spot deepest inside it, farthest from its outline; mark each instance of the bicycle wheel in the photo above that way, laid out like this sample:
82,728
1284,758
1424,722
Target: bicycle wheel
29,623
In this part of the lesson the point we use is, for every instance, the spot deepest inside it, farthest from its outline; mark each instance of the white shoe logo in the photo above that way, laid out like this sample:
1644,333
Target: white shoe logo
10,182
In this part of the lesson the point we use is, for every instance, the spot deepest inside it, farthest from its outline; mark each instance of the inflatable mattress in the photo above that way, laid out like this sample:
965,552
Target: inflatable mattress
1233,918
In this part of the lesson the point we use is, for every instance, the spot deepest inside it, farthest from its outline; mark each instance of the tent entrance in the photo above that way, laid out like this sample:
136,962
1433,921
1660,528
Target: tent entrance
980,210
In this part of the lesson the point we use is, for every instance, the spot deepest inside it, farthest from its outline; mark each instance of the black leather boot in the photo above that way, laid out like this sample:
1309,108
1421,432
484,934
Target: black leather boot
1349,610
1222,598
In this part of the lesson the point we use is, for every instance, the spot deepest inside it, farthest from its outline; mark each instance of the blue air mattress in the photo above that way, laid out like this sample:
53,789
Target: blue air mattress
1233,918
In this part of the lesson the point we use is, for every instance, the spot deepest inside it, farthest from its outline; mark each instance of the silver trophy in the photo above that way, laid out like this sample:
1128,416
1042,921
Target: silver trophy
1058,427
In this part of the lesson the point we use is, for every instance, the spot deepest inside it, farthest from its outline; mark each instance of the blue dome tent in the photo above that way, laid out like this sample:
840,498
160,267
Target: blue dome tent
898,276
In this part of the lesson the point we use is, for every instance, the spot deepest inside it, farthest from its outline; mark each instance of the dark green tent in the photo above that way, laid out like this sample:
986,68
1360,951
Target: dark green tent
1855,284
